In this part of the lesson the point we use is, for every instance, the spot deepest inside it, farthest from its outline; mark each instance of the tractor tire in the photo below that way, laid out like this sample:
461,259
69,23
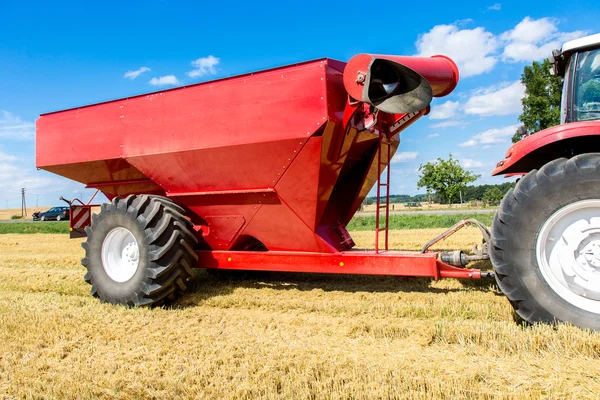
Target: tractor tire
139,251
546,243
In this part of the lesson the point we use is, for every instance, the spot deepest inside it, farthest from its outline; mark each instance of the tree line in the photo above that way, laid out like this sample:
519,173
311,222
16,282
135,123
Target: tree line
492,194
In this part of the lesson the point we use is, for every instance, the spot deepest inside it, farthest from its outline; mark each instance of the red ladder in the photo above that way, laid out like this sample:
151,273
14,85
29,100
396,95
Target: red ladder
384,145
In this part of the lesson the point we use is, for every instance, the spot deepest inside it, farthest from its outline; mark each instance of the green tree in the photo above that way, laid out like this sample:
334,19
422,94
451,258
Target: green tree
493,195
444,177
541,104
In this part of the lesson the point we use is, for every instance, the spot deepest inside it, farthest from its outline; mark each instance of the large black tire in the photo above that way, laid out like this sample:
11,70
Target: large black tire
520,219
166,242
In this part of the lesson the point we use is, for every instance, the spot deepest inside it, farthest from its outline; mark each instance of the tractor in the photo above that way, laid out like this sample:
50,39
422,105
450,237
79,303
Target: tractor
545,237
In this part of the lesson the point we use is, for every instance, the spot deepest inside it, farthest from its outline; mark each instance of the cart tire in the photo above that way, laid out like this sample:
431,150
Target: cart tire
139,251
546,243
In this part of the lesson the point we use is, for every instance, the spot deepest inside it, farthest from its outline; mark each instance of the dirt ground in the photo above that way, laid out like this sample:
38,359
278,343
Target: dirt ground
274,336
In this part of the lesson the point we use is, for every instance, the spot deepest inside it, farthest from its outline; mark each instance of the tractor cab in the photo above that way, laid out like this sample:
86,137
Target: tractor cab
579,63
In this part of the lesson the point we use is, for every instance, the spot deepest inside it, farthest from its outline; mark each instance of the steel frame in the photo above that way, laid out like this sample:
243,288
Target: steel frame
368,262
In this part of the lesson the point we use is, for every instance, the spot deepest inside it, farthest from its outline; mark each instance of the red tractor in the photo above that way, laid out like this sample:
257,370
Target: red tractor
545,244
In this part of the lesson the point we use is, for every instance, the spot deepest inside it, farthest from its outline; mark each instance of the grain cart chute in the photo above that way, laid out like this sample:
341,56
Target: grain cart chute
259,172
546,234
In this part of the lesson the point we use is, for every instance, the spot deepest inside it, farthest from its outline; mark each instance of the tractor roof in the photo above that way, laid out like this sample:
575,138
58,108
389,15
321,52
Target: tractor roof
584,43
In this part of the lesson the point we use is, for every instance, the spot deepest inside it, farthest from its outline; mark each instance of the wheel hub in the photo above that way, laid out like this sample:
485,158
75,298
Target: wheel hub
568,253
590,254
120,254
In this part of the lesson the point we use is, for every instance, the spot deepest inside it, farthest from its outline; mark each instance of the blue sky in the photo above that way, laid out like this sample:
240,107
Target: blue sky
67,54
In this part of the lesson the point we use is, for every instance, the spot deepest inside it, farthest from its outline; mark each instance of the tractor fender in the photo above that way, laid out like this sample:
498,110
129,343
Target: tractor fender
534,151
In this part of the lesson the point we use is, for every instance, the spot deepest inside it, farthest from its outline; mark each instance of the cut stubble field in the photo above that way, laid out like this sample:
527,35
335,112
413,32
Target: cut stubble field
274,335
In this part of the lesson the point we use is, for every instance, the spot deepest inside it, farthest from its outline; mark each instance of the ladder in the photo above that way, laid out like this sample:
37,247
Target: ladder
385,147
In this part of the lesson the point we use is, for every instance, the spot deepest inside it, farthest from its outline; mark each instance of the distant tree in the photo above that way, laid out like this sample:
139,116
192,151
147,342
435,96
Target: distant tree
444,177
541,104
368,201
493,195
475,193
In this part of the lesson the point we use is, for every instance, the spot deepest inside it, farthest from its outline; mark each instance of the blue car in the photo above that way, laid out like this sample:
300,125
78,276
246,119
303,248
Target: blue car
53,214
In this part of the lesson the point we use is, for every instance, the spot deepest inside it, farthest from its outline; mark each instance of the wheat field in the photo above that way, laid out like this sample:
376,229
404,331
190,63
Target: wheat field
274,335
7,213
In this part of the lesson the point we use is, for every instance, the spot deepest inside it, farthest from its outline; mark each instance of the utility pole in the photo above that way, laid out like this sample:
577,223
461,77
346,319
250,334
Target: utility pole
23,203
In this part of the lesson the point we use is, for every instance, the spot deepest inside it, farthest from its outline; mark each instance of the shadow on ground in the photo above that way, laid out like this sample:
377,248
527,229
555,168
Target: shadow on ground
211,283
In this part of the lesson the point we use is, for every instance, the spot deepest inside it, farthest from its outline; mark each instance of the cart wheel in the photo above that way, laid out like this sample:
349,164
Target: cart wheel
546,243
139,251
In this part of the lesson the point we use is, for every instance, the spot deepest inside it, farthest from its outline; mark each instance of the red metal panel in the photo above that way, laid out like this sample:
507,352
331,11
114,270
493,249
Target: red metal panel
299,185
203,206
533,142
393,263
223,229
278,227
241,167
81,135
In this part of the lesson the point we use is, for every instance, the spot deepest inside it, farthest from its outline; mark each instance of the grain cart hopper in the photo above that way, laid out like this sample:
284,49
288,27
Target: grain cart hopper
546,234
258,172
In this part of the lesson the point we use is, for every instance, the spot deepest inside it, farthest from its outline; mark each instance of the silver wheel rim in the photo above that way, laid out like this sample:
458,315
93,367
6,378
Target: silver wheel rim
568,254
120,254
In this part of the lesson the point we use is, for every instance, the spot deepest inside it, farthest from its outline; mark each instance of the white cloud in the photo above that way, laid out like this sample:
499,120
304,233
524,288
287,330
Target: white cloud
477,51
204,66
134,74
495,7
7,157
448,124
164,80
496,100
13,128
534,39
472,49
468,143
433,135
470,163
491,136
446,110
404,156
16,173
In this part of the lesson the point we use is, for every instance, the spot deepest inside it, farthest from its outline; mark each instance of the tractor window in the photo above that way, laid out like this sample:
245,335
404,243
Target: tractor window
587,86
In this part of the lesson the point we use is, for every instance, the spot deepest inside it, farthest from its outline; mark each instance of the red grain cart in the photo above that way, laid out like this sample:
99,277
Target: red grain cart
257,172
